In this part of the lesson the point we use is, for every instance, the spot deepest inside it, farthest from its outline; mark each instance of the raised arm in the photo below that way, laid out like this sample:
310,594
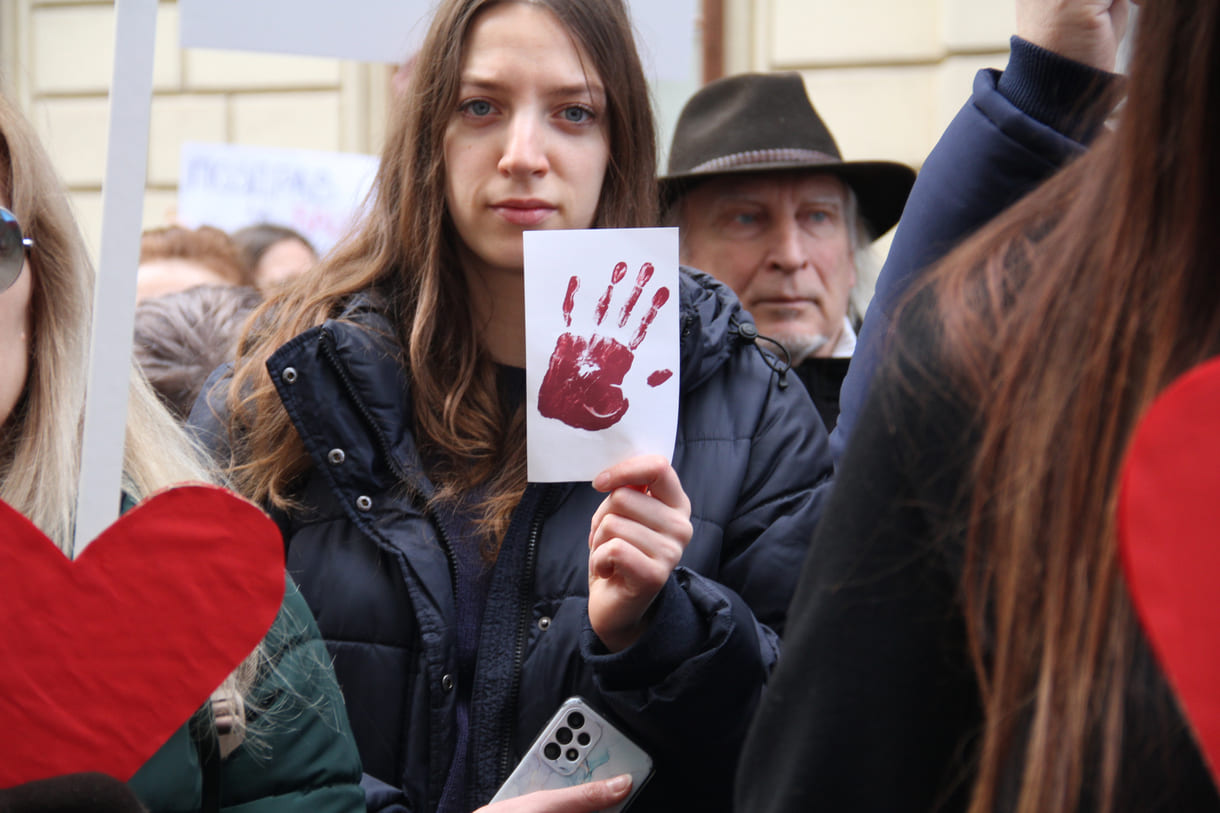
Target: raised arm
1017,129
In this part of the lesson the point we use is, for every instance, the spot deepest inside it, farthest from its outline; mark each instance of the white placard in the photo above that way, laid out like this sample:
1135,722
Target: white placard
665,37
364,30
98,495
602,355
391,30
317,193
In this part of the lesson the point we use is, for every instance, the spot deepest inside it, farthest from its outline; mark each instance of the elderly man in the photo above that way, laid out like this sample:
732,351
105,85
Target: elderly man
767,205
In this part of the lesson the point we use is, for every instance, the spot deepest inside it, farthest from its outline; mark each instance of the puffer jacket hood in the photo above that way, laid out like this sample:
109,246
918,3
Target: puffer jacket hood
710,316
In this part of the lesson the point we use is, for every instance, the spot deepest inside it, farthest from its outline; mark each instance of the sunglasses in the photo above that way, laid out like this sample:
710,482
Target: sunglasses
13,247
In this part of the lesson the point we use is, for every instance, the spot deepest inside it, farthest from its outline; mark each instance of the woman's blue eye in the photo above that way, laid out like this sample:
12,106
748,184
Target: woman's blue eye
745,219
477,107
577,115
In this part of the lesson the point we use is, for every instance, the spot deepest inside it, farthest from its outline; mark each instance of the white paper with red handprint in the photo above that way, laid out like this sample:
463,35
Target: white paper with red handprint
602,353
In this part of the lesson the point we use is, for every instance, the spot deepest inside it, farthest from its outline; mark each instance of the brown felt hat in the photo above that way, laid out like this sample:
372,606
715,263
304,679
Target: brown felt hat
763,122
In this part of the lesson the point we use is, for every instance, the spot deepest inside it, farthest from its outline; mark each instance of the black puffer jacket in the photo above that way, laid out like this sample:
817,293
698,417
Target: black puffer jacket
373,565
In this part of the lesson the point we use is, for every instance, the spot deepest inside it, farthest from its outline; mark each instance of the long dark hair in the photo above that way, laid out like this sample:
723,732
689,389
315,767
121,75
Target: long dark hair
406,248
1062,321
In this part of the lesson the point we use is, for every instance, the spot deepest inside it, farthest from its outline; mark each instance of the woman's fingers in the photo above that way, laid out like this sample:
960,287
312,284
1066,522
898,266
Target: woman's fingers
651,542
632,570
651,474
626,505
629,565
645,489
636,538
623,583
586,798
1087,31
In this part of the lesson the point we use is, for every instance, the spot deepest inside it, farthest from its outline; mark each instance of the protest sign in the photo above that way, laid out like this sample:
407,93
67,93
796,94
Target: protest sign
230,186
391,30
367,30
107,655
97,502
602,355
1167,519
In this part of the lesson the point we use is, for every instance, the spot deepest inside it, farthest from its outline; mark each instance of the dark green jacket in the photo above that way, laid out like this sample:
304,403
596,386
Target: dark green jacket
298,753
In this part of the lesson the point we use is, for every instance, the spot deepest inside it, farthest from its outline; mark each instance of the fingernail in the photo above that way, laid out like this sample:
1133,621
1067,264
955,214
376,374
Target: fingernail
620,784
600,481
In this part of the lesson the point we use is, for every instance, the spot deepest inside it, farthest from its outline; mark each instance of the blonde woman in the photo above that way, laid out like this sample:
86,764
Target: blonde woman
279,739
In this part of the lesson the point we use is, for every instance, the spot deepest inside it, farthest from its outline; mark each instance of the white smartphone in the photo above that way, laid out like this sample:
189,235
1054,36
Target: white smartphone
577,745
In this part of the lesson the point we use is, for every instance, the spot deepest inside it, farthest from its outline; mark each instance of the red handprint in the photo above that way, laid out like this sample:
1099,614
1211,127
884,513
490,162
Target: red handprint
583,382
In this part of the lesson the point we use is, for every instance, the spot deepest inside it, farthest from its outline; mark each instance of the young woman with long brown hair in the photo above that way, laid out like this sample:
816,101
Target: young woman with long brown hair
462,604
967,569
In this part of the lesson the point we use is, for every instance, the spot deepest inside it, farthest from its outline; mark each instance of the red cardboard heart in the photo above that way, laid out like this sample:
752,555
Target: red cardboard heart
105,657
1169,536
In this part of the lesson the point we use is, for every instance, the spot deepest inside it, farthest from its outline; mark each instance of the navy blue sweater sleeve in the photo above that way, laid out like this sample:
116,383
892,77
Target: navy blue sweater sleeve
1017,130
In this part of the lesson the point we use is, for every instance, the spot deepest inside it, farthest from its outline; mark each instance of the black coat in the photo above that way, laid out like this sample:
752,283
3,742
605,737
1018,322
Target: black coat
372,562
875,705
823,378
